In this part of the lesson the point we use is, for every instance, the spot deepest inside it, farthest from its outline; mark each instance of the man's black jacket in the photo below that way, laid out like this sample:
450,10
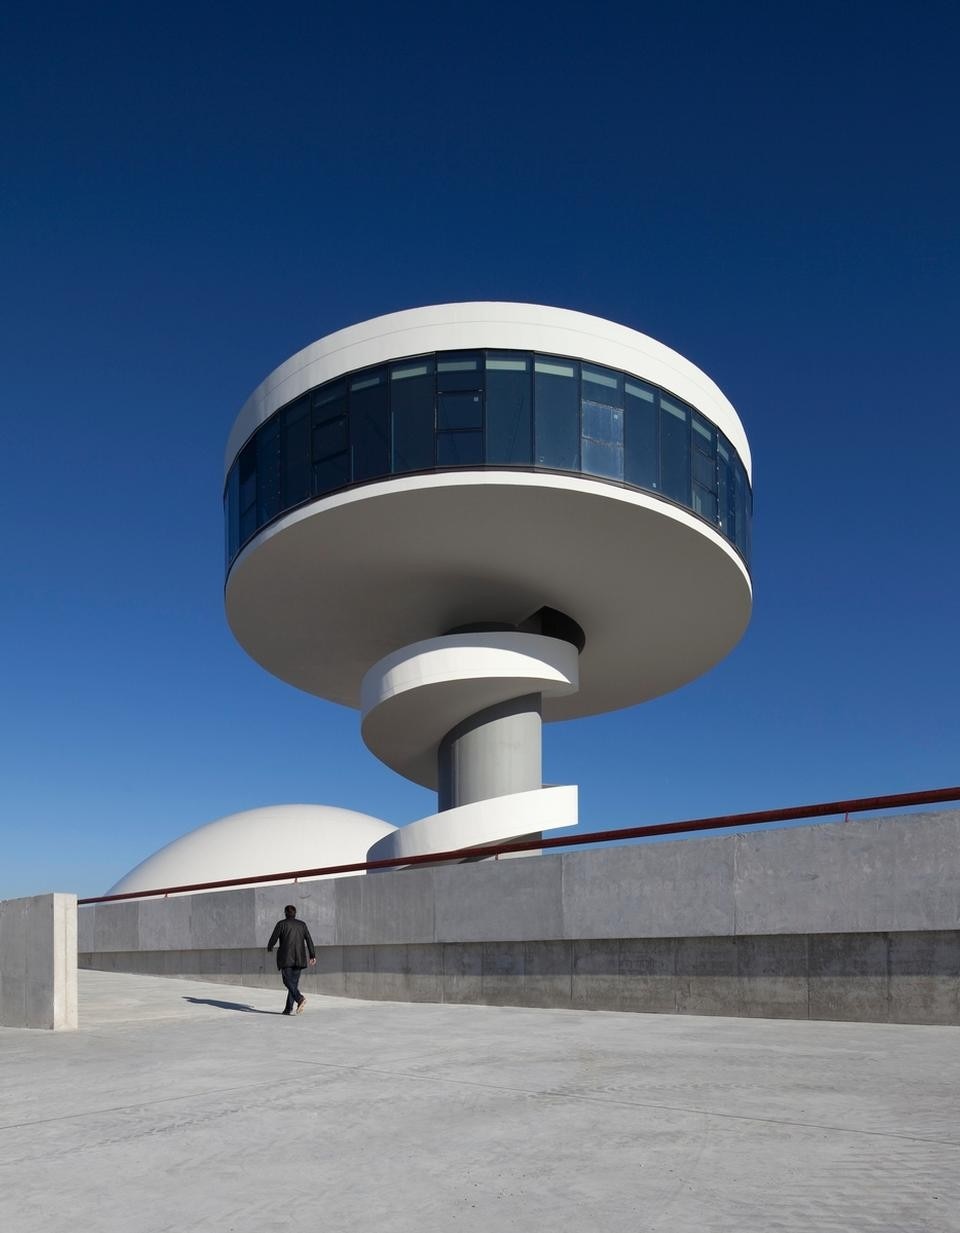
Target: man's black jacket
293,942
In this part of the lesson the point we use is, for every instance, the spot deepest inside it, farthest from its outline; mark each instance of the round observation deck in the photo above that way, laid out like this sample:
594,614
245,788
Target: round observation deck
462,464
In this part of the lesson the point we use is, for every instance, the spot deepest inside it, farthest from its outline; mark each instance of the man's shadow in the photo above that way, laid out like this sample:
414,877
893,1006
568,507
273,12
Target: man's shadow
250,1010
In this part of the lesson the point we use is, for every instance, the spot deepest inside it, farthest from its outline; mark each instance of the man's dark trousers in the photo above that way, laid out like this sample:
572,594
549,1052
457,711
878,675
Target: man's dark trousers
291,978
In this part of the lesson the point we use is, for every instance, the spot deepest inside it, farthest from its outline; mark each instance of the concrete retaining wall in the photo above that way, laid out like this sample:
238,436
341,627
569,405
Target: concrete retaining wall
881,977
837,920
38,962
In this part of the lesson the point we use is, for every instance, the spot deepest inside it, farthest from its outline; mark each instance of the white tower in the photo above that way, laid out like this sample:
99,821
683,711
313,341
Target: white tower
467,519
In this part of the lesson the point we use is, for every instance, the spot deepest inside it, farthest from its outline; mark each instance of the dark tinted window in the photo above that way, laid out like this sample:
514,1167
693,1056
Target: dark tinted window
459,449
247,464
232,501
460,371
330,438
742,506
509,424
460,410
726,487
330,400
331,473
602,439
493,408
412,412
370,425
557,403
601,385
268,472
641,449
675,449
703,439
295,452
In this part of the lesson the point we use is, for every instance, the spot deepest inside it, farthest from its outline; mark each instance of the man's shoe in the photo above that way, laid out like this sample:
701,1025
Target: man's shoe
286,1012
300,1005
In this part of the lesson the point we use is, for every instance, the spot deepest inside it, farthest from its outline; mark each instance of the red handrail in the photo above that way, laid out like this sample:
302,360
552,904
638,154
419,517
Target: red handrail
862,804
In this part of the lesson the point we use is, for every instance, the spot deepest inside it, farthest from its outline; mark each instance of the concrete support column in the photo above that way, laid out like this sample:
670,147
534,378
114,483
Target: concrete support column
38,962
496,752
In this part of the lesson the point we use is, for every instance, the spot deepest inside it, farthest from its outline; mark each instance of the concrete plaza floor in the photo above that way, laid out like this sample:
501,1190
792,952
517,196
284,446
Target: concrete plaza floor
186,1106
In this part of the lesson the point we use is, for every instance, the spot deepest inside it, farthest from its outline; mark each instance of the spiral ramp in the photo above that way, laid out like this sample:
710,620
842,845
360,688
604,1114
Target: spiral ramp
461,714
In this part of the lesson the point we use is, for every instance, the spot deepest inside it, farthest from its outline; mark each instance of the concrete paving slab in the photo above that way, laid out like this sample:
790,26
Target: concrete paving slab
186,1106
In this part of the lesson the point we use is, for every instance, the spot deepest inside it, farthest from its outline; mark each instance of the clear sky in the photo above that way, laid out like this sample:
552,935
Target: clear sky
190,193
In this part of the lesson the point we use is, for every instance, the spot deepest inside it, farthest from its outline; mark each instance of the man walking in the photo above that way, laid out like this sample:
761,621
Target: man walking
293,942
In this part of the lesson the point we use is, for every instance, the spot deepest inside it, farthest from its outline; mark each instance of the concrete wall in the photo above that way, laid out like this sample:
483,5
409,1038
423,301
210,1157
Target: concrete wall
38,962
880,977
830,920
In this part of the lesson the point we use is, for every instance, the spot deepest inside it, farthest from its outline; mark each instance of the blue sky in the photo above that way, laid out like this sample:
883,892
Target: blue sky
190,193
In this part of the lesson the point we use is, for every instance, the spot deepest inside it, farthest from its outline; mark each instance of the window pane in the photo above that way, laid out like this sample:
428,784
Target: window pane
557,404
412,412
408,369
460,410
640,436
330,438
327,398
248,475
602,458
740,503
602,385
367,380
554,368
675,450
233,512
726,509
602,423
602,440
248,523
459,449
295,452
268,471
509,422
704,471
704,458
247,467
705,503
370,429
460,371
704,436
331,473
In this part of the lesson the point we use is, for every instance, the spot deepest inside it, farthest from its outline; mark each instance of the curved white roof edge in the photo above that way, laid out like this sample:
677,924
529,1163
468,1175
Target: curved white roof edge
492,324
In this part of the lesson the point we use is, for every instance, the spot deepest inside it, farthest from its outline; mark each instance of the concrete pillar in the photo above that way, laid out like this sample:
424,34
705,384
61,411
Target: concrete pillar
493,753
38,962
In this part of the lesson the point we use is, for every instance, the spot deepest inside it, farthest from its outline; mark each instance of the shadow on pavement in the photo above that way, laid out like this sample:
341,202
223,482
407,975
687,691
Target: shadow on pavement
251,1010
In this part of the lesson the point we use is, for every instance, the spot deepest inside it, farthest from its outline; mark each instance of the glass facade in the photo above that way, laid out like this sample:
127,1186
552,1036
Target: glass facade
487,409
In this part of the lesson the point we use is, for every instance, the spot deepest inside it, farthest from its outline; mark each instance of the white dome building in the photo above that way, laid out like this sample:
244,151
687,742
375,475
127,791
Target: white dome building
275,839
